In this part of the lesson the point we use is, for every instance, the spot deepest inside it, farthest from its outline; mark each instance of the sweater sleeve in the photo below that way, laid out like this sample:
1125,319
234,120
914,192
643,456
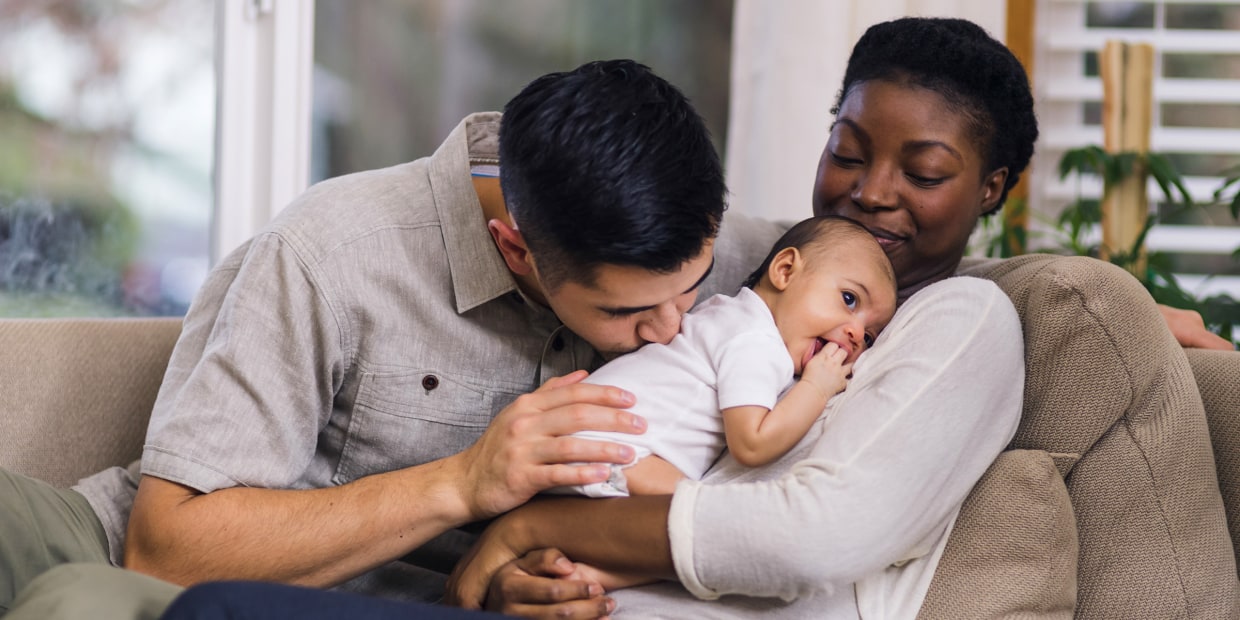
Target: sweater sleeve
936,399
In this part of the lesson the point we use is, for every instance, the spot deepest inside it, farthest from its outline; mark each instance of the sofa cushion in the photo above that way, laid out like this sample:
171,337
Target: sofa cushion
77,393
1218,380
1013,549
1105,379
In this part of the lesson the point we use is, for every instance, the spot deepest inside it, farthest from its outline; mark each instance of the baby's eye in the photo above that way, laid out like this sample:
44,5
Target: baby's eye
850,300
869,341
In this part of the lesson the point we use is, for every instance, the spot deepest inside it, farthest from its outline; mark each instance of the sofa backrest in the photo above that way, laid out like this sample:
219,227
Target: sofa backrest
76,394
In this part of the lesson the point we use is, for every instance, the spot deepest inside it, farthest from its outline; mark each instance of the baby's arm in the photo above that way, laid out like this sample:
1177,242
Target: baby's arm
757,435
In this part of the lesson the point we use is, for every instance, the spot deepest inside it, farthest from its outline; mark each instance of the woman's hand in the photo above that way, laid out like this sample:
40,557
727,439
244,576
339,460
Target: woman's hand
1190,331
545,584
626,535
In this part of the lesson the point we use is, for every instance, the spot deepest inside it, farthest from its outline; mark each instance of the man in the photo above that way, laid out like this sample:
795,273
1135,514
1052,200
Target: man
363,377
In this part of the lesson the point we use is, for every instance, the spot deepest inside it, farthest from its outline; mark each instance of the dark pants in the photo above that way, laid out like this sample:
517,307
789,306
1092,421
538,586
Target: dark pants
245,600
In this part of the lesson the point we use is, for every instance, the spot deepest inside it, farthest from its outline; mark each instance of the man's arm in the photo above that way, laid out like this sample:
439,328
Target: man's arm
322,537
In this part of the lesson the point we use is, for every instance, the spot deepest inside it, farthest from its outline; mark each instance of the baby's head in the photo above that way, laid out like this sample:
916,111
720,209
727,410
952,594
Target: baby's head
826,280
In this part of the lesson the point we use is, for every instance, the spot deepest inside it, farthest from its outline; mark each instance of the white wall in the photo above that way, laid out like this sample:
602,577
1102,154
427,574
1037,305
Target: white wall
788,59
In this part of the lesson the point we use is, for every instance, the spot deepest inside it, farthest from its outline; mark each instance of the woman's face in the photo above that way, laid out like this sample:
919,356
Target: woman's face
902,161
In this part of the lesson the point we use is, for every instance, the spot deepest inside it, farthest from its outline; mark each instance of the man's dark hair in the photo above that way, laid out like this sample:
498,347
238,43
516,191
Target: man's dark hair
966,66
608,164
819,233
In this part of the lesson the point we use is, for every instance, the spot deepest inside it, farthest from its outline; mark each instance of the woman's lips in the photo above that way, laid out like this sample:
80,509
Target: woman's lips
886,238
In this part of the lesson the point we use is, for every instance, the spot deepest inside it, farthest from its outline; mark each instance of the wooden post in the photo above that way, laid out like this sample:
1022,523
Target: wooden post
1019,38
1127,101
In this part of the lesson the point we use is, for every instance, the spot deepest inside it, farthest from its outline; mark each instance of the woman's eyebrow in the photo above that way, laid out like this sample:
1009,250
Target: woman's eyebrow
921,145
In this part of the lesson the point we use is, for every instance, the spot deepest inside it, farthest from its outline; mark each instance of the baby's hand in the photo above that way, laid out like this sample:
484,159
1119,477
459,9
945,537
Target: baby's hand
827,370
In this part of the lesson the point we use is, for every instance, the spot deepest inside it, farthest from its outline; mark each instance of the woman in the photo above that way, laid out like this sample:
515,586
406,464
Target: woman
923,146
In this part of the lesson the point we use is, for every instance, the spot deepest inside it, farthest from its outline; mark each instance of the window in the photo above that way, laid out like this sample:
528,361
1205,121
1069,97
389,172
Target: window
107,122
1196,116
391,79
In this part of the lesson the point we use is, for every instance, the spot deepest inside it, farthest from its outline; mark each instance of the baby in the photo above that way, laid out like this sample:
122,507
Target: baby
730,377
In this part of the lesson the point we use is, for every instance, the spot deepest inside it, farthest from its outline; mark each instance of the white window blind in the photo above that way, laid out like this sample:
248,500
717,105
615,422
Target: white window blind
1196,116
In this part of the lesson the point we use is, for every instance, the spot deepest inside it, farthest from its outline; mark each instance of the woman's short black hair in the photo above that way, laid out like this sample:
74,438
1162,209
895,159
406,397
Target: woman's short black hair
608,164
966,66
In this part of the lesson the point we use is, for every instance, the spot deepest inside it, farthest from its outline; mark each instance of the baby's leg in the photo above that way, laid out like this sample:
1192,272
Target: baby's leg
652,476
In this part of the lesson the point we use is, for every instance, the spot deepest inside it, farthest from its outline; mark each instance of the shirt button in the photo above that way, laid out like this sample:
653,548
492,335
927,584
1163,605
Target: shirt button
430,382
557,344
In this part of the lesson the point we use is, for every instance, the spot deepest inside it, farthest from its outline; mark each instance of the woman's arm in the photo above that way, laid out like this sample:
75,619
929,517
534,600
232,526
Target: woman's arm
926,412
1190,330
622,535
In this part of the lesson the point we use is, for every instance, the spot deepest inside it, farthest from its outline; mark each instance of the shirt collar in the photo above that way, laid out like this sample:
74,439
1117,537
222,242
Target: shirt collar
479,273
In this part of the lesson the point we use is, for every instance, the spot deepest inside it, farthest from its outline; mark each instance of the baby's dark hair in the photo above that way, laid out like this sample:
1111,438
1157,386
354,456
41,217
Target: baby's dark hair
966,66
821,232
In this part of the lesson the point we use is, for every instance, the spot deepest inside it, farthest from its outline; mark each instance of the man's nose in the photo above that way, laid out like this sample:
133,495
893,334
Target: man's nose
661,324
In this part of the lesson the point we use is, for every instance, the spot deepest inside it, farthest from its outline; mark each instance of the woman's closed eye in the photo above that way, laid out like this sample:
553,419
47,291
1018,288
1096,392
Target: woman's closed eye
841,160
925,181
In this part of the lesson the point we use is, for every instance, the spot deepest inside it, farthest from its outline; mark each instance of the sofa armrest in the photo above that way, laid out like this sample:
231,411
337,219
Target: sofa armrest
1106,380
1218,380
77,393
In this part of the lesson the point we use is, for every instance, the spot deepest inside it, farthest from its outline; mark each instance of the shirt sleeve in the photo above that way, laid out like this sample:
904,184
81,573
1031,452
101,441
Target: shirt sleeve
752,369
938,397
252,378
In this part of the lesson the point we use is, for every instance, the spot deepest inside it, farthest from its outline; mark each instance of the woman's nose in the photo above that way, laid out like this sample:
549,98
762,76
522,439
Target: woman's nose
874,190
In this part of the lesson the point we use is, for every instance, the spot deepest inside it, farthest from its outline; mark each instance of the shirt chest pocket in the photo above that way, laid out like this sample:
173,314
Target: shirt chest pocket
413,417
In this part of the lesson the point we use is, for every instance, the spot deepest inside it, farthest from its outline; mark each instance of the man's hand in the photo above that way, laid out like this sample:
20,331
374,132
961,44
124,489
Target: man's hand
827,370
1190,331
546,584
526,449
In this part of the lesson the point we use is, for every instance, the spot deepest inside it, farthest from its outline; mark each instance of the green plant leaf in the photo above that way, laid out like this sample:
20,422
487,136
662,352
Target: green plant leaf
1168,177
1090,159
1119,166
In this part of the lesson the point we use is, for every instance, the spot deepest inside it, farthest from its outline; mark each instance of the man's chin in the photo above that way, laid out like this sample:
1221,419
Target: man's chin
614,352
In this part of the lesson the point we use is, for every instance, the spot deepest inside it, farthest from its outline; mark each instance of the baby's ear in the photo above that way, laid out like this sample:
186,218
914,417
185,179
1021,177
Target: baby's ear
785,266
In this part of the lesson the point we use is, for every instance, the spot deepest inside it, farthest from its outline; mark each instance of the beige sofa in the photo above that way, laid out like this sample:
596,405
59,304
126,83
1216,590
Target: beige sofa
1108,505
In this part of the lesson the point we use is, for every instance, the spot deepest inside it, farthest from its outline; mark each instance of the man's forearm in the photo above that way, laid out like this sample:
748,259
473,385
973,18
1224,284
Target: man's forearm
317,537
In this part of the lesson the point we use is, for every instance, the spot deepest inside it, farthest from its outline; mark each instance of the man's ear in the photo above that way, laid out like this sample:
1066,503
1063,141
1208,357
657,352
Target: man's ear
785,265
512,247
993,189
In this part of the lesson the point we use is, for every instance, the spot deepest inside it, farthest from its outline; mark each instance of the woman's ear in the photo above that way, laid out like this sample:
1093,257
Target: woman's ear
992,189
512,247
784,266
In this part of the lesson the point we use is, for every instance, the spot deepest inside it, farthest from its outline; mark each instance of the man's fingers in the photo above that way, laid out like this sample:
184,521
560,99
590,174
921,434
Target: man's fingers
555,382
581,450
571,475
563,394
579,417
588,609
519,588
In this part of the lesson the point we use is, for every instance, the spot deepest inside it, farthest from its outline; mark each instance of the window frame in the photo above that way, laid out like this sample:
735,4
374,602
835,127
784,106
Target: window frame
264,63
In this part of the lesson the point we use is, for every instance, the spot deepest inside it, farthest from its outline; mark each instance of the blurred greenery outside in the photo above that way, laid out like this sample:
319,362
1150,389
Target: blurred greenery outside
391,78
107,123
1073,229
105,187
